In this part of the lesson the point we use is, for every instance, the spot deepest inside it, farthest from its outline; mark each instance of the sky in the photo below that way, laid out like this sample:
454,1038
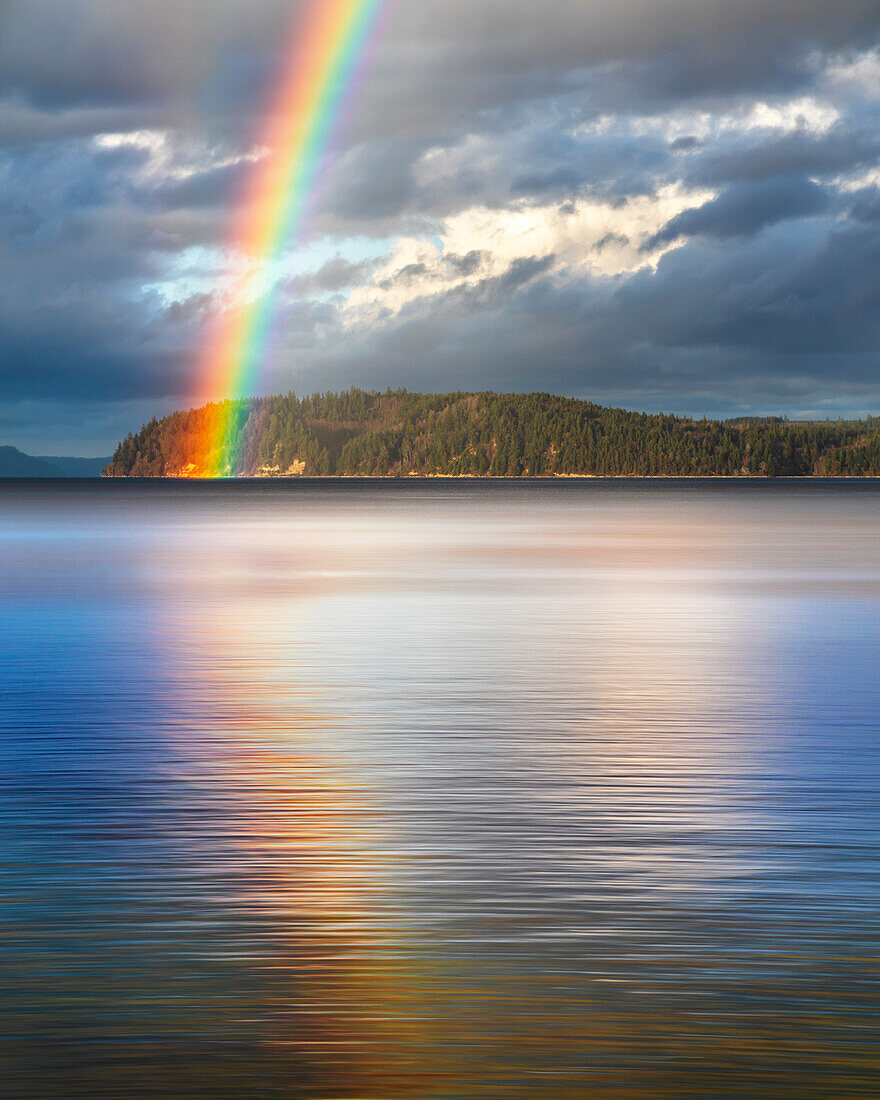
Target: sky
658,204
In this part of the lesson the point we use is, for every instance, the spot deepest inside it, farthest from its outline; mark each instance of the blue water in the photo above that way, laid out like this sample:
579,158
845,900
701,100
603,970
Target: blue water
448,789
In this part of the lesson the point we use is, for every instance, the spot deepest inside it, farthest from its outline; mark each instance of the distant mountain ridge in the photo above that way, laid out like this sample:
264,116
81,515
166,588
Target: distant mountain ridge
15,463
397,434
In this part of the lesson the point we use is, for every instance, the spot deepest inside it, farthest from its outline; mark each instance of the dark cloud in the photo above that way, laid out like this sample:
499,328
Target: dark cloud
334,275
866,205
745,209
437,59
86,53
374,181
522,271
611,239
685,144
767,300
843,148
467,264
214,187
748,302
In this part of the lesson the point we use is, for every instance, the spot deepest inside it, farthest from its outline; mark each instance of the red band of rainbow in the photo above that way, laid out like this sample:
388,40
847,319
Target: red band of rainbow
329,48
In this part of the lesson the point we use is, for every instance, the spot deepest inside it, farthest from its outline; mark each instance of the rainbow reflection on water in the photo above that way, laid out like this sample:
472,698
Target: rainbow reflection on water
447,790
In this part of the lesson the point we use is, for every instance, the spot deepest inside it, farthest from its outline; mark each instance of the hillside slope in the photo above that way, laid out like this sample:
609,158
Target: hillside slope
359,433
75,467
15,463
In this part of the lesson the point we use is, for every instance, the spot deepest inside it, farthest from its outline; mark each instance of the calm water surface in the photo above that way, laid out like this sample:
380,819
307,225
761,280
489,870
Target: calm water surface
332,790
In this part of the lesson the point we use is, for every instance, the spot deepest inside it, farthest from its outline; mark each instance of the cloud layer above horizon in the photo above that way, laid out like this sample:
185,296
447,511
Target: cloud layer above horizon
661,204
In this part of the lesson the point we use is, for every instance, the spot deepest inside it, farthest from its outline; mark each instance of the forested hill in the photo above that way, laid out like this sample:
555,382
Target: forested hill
485,434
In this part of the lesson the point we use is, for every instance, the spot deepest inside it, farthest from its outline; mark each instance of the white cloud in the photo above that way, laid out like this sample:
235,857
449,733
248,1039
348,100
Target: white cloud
812,114
858,181
805,113
170,159
857,75
600,238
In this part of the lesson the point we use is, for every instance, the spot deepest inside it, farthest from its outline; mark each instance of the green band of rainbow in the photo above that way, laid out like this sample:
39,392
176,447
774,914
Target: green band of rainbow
330,45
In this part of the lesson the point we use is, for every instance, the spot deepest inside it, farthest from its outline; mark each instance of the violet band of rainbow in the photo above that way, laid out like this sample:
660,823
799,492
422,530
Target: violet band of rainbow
330,47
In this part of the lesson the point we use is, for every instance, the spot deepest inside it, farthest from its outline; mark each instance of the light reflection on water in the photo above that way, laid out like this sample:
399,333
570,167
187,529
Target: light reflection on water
447,790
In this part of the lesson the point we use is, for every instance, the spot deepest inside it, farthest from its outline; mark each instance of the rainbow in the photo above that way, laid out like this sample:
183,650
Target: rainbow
329,50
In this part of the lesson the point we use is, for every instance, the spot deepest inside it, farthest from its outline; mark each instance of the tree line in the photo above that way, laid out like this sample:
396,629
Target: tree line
397,433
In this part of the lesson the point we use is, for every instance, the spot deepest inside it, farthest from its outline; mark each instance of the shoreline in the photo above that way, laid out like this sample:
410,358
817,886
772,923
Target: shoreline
475,477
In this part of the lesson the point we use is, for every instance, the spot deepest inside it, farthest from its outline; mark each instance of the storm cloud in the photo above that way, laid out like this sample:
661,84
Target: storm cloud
664,204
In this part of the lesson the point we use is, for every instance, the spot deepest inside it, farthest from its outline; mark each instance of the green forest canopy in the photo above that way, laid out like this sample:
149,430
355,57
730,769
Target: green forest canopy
396,433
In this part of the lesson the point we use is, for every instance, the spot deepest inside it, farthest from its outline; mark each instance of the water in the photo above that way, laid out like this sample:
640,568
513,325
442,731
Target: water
453,789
